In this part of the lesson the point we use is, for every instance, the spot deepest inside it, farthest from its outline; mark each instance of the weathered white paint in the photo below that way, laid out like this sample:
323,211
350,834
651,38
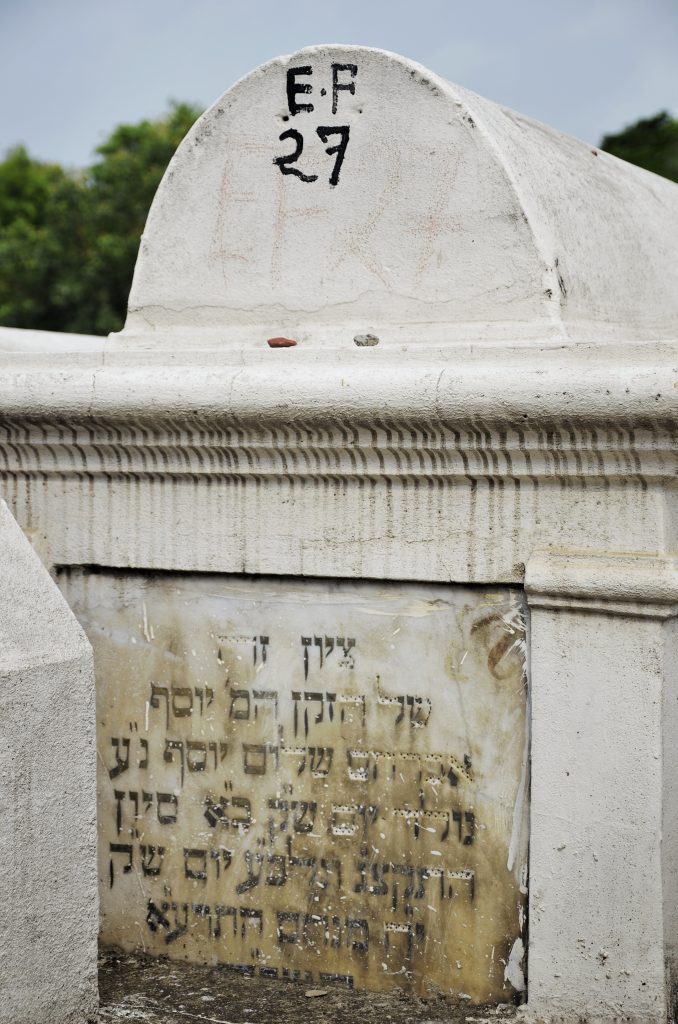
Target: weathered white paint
14,339
602,872
224,469
48,924
513,403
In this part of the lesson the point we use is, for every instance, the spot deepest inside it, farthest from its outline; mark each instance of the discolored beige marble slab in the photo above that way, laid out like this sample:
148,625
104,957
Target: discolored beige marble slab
312,779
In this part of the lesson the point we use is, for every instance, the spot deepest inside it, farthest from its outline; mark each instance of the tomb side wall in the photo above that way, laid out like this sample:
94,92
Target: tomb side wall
670,803
48,925
601,651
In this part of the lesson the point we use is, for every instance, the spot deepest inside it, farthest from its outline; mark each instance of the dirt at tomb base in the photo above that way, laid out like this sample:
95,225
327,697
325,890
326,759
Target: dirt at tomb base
138,989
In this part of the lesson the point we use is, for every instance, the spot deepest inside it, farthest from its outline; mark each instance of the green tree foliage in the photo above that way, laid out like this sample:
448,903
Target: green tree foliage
41,243
68,241
651,143
121,187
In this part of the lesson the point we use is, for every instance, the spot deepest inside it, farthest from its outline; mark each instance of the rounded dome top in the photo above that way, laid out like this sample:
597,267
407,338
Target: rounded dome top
349,187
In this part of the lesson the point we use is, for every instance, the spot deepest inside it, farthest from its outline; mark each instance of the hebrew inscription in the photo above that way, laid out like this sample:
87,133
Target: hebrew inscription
312,780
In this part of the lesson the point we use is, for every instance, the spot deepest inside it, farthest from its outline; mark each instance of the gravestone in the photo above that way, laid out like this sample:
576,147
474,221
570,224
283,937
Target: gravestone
314,780
367,510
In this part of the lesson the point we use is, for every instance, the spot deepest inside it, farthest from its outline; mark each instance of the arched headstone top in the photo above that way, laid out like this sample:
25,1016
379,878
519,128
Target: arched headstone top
345,189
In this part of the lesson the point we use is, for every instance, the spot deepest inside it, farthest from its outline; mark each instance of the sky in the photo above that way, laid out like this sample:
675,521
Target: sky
70,70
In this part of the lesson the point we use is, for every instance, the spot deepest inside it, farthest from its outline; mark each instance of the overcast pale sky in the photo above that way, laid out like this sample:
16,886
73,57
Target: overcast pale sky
72,69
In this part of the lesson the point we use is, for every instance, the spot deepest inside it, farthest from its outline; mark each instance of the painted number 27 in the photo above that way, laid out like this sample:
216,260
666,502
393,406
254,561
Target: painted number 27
324,133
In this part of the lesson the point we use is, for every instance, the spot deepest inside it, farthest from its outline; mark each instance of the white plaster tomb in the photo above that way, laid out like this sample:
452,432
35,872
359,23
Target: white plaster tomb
480,405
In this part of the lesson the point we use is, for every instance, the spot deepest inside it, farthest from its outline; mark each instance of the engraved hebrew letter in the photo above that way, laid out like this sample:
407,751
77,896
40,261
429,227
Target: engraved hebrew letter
240,704
195,864
168,755
286,937
196,755
167,798
159,693
148,855
182,701
121,763
125,848
253,876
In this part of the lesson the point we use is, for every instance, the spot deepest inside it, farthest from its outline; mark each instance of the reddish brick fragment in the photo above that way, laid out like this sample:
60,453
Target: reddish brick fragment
281,342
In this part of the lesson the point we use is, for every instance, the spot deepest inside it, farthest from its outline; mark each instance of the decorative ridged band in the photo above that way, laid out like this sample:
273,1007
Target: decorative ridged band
335,450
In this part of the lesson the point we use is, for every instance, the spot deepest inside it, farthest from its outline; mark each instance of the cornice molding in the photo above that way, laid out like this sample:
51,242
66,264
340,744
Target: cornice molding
524,417
629,584
304,449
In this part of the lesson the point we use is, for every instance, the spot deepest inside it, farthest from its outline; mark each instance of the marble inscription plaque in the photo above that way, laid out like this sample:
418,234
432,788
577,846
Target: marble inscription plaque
315,780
